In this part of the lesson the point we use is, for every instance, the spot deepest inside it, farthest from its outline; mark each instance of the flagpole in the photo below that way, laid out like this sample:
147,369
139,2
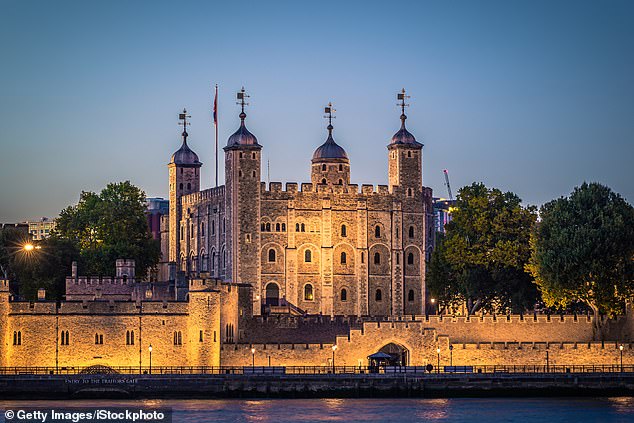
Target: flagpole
216,125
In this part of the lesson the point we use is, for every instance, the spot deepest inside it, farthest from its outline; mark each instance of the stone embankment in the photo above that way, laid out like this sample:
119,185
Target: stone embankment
301,386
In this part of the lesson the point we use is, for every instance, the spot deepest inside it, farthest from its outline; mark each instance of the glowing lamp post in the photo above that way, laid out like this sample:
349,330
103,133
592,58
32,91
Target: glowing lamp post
150,350
433,305
334,348
252,358
621,350
438,364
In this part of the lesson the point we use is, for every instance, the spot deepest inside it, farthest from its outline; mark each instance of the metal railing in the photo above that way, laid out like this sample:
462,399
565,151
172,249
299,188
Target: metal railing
320,370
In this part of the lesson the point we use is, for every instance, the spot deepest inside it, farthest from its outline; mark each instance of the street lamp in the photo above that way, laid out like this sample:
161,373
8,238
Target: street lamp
433,304
252,358
334,348
621,350
438,365
150,349
451,355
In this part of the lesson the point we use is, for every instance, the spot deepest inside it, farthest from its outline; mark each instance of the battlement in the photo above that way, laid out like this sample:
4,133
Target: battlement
99,281
216,193
4,285
307,187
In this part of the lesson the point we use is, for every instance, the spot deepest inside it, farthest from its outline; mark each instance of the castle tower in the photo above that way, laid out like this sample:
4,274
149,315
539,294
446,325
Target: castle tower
242,180
184,177
408,219
405,169
330,163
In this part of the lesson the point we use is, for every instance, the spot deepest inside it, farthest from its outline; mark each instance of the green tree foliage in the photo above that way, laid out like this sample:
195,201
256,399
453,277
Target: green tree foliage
43,267
482,258
108,226
583,250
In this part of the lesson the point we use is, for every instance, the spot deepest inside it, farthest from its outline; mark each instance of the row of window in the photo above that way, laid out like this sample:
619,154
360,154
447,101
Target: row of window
324,168
266,227
129,337
202,229
308,256
378,295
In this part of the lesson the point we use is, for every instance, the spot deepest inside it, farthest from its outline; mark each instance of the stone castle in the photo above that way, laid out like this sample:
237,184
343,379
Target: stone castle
303,276
324,247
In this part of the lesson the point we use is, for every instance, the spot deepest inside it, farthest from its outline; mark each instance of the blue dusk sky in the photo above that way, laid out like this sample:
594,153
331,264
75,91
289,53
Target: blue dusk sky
528,96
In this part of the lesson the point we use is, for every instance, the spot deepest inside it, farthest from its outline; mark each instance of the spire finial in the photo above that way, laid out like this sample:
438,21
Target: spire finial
402,97
329,110
241,96
183,116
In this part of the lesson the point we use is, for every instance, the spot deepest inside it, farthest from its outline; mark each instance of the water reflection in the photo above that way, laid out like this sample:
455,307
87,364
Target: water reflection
525,410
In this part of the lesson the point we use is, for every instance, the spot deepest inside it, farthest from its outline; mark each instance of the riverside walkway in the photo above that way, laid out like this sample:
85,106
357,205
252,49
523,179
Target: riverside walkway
254,382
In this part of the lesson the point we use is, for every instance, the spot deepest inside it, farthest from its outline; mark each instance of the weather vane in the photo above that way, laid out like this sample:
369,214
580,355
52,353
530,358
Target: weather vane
183,116
329,110
242,96
402,97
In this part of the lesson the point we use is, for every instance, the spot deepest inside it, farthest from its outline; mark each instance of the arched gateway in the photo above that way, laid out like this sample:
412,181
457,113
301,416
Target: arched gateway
398,353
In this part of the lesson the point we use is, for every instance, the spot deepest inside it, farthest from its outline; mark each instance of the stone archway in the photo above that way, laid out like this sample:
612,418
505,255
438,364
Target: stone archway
272,294
399,354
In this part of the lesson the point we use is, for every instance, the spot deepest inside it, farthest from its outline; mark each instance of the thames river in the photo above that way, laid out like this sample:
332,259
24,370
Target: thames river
483,410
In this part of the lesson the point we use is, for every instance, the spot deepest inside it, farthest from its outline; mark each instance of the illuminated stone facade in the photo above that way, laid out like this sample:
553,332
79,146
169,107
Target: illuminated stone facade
328,246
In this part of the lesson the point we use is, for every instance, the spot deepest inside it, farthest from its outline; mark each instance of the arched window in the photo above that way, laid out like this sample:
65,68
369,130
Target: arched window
240,173
410,258
182,232
410,295
297,227
409,192
343,258
277,227
344,295
409,154
377,231
398,258
303,228
127,337
189,185
340,181
213,227
308,256
180,185
411,232
340,168
283,227
344,231
98,339
268,227
323,181
362,257
262,227
308,292
323,168
202,229
271,255
377,258
378,296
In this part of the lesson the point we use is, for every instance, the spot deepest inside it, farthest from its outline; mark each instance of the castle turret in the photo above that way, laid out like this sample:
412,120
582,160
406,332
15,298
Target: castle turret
184,176
405,159
242,180
330,163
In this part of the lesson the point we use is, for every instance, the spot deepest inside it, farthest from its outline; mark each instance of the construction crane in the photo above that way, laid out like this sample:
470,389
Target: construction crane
447,183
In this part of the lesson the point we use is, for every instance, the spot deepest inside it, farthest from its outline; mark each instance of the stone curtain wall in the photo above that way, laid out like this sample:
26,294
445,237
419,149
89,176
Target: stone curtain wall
421,344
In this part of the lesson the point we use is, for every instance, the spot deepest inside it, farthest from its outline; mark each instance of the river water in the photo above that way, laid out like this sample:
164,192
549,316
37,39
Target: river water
479,410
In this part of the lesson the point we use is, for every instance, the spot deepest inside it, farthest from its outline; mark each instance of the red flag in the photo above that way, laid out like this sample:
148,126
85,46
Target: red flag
216,107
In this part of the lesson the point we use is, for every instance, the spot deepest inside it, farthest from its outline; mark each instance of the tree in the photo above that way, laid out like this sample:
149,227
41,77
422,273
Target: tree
583,250
12,240
107,226
482,258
